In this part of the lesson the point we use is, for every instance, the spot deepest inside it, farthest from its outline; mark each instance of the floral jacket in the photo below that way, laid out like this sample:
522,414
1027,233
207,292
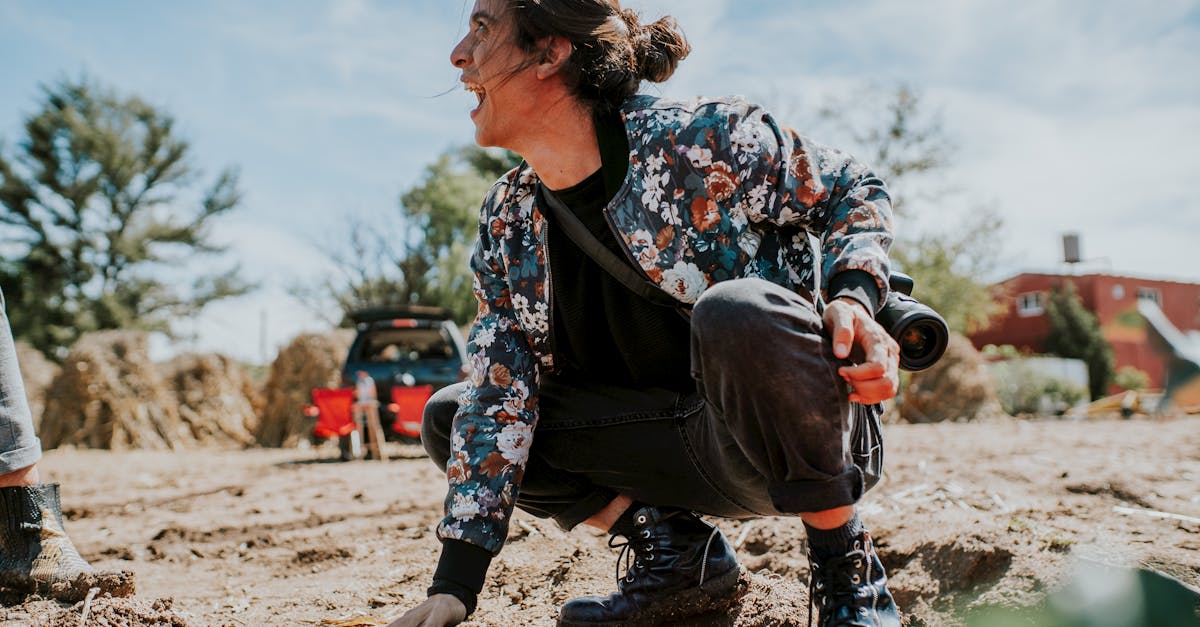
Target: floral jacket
715,190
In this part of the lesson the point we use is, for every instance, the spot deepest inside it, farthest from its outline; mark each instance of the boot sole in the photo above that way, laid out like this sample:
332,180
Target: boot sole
718,593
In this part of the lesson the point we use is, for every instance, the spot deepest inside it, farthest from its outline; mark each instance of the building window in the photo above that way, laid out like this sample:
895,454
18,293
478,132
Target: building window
1118,291
1031,304
1151,294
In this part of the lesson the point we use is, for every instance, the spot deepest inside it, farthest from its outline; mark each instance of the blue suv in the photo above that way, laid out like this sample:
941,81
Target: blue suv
415,349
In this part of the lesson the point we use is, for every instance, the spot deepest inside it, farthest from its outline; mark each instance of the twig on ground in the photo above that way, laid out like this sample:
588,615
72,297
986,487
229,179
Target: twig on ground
530,529
87,606
357,621
742,536
1155,514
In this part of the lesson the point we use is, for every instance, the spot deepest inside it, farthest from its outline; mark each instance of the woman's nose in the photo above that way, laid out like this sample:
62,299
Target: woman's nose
461,55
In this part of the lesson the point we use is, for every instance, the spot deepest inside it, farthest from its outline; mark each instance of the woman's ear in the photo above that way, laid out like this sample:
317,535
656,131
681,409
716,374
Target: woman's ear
555,53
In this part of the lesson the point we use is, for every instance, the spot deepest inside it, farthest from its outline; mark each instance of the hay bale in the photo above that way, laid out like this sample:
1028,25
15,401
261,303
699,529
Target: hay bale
38,373
309,361
109,395
957,387
216,398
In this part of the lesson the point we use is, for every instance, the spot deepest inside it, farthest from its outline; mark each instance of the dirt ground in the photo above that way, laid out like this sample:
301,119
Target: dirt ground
967,514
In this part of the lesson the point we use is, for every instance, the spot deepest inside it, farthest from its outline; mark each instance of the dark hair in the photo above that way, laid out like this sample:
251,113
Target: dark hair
612,51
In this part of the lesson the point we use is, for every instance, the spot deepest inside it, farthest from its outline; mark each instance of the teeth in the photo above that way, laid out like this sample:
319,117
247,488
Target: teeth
476,89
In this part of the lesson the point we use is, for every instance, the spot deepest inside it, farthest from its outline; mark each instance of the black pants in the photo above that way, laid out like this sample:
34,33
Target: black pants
769,432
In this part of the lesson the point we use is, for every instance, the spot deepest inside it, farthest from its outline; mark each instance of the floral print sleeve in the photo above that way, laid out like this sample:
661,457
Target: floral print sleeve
493,428
791,180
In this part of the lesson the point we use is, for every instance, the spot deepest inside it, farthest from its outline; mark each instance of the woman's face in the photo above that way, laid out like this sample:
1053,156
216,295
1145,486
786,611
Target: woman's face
498,72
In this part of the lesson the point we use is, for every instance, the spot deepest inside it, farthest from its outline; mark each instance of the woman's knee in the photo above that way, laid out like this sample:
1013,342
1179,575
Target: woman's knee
751,308
437,421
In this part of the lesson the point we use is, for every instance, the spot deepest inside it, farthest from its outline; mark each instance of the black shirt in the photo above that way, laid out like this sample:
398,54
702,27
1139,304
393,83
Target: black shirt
603,332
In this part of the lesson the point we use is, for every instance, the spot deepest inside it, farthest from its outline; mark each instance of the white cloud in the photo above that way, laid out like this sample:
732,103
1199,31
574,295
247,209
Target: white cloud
1068,115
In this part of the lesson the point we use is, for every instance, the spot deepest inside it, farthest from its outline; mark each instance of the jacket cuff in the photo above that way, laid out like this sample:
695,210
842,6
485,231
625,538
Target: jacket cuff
442,586
461,570
858,285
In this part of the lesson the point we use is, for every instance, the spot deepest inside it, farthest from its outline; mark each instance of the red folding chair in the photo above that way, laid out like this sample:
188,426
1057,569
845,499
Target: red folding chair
408,403
334,418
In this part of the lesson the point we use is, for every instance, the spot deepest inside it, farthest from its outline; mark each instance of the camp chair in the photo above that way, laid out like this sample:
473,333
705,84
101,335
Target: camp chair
408,404
333,412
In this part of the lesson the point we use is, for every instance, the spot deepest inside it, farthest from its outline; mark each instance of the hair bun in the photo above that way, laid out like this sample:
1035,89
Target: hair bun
657,48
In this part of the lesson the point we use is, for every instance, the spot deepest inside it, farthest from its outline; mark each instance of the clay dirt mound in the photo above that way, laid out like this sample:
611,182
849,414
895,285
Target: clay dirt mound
100,611
216,398
957,387
109,395
309,361
38,373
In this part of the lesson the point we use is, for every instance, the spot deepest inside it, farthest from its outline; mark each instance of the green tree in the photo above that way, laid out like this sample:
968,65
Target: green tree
98,215
1131,378
950,270
424,257
900,140
904,141
1075,334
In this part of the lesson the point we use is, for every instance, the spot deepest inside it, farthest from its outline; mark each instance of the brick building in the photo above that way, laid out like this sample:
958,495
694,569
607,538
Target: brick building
1113,299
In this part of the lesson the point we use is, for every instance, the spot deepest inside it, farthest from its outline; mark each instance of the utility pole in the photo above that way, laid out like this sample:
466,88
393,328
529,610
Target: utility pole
262,336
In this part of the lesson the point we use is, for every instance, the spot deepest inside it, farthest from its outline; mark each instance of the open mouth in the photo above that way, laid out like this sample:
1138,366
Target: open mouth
476,89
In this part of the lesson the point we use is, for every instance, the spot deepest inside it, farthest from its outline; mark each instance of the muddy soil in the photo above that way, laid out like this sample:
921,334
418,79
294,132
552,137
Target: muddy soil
968,514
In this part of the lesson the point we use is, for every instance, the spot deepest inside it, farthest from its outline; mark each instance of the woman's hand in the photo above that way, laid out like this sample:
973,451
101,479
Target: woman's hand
438,610
851,326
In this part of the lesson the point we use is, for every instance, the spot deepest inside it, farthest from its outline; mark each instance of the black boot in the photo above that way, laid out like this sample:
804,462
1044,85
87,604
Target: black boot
37,556
850,590
682,566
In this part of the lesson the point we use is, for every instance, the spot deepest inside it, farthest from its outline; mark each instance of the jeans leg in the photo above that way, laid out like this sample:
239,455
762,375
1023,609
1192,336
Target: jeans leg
774,398
593,442
546,492
19,446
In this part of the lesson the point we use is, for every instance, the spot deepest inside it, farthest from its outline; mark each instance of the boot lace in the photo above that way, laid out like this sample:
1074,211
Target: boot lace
638,552
836,583
635,553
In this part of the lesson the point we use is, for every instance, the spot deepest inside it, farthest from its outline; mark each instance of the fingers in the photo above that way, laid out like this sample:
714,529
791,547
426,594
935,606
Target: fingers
876,379
872,391
839,319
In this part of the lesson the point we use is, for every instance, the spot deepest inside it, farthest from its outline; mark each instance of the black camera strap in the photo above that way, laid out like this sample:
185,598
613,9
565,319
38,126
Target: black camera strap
592,247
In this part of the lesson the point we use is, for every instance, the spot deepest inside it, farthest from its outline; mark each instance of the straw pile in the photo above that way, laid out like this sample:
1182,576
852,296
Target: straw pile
216,398
957,387
109,395
309,361
38,373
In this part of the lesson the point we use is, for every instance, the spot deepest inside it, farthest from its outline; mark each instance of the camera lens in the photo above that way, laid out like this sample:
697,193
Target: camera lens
914,342
921,333
922,341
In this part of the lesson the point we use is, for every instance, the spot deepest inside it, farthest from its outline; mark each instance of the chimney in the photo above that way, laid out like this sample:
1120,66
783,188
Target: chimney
1071,248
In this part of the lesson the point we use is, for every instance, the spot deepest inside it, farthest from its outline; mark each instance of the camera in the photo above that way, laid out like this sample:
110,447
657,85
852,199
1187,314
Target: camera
920,331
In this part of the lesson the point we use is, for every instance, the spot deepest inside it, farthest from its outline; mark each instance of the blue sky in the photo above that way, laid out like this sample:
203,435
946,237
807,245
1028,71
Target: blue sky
1067,116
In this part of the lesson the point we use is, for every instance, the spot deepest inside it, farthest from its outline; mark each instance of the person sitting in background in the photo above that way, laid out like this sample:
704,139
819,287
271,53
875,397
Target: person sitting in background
391,352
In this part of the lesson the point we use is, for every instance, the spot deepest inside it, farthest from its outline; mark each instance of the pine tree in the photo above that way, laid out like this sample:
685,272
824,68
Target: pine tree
99,215
1075,334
